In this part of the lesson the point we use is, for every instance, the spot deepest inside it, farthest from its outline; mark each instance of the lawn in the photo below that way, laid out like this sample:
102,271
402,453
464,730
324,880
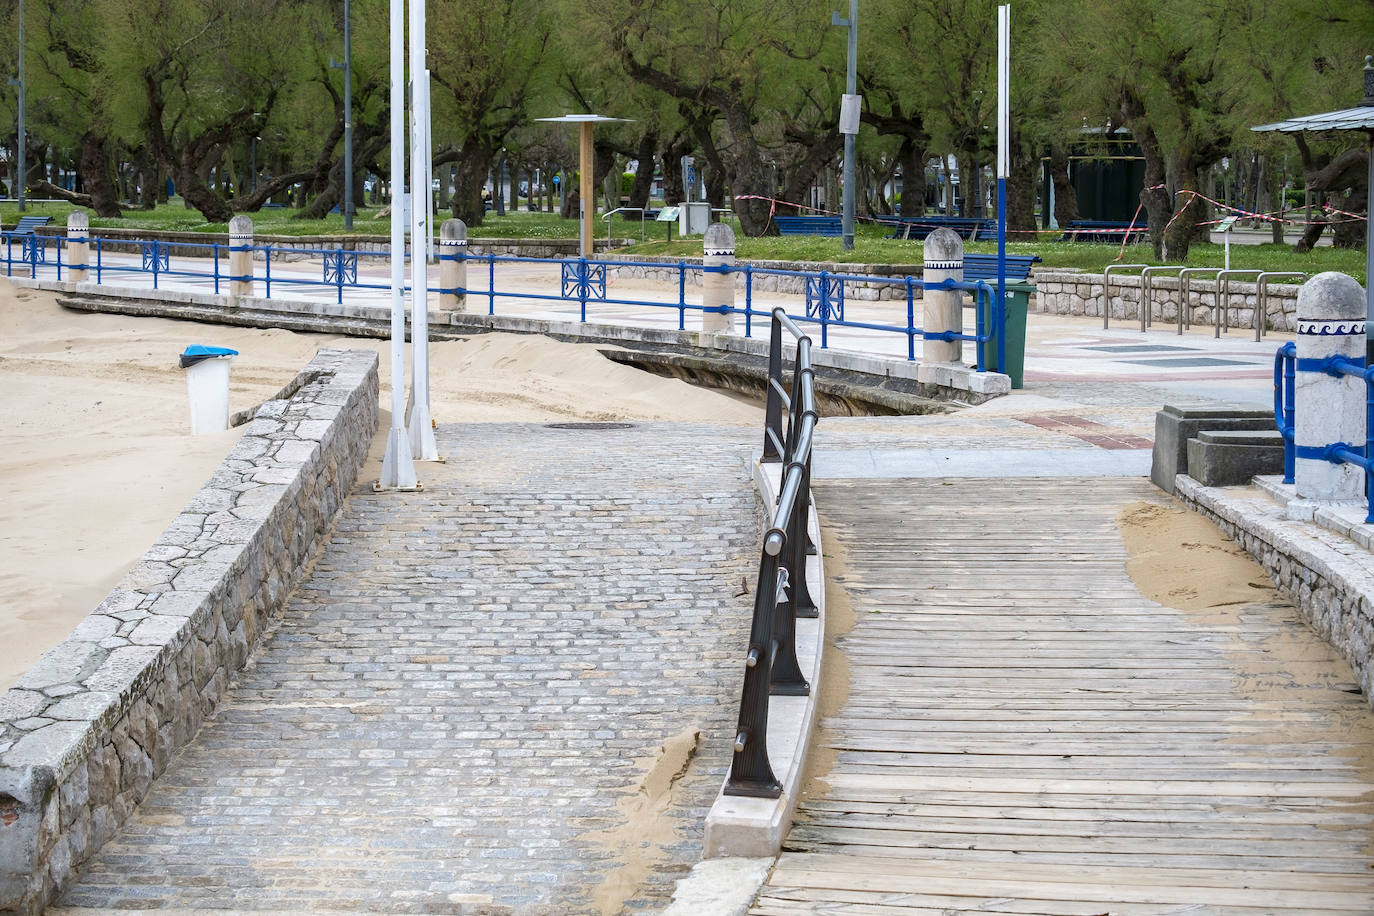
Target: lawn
870,245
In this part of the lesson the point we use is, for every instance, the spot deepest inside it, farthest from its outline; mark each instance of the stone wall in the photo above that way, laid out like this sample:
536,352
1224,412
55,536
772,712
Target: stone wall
84,733
1072,293
757,274
1332,585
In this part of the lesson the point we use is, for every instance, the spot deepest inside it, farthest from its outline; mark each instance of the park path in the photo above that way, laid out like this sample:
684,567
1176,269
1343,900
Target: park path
1025,733
510,693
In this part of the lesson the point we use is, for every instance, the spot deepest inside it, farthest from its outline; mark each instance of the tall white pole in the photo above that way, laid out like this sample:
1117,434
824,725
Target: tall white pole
422,442
398,468
22,172
429,173
1003,172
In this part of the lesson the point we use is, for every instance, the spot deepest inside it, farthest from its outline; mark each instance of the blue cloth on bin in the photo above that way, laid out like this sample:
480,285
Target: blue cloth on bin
198,352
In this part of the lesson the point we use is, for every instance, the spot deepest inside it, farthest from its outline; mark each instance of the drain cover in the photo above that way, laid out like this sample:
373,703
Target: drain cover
589,425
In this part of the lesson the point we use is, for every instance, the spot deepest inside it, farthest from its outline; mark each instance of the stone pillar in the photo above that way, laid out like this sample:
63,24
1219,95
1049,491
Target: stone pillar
453,268
240,258
79,246
717,289
943,309
1328,408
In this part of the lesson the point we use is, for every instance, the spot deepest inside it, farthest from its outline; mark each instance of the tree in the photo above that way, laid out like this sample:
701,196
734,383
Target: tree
489,59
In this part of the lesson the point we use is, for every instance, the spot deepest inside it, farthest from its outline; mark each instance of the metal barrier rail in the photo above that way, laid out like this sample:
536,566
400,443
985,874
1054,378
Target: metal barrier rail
1185,307
781,594
1286,359
1147,292
1262,297
1222,320
583,282
1107,290
1285,386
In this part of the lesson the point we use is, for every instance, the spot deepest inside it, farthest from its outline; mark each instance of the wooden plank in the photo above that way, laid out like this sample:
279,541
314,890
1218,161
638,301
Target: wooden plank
1023,732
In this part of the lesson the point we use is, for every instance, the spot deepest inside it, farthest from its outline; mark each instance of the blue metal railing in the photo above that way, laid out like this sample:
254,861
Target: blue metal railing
583,281
1286,362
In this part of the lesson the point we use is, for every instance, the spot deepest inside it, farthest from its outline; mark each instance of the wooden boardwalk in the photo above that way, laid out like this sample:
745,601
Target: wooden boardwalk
1025,733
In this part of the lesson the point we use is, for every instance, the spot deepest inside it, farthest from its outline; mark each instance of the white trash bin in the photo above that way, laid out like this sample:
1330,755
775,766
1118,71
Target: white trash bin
207,386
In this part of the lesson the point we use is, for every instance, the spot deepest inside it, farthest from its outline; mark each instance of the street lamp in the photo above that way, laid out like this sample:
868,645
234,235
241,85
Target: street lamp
849,119
348,116
21,179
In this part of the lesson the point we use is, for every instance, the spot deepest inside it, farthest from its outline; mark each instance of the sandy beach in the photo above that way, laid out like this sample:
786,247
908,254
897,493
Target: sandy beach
96,456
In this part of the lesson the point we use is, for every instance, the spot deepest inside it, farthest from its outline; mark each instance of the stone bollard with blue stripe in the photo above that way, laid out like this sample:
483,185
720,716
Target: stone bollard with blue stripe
453,267
240,258
1329,409
943,309
79,246
717,289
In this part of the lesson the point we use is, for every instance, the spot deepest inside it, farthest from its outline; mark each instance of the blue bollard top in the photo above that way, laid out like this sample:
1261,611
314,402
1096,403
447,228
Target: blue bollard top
196,353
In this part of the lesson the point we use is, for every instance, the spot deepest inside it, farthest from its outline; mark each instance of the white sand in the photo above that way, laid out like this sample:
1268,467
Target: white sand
96,456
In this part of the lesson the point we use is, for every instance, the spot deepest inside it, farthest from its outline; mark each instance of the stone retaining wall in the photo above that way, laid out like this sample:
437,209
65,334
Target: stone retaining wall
84,733
754,273
1072,293
1331,584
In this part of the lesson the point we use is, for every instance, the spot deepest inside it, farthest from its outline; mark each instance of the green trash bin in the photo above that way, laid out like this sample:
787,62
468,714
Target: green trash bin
1018,304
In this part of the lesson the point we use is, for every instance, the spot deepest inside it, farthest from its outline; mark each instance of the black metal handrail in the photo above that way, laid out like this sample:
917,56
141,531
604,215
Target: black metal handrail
781,595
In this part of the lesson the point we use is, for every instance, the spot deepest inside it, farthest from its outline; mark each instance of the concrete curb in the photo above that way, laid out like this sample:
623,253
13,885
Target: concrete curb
755,827
86,730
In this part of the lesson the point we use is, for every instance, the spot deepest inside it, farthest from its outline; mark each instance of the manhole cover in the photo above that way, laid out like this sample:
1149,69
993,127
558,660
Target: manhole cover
589,425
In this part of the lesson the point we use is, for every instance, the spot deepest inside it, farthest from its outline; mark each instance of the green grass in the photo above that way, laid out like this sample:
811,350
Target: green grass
870,246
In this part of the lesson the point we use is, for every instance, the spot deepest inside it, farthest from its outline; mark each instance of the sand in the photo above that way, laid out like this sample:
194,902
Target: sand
96,457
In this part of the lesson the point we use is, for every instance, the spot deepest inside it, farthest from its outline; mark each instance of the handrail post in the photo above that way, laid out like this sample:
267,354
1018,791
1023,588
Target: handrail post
910,319
772,418
750,772
1284,364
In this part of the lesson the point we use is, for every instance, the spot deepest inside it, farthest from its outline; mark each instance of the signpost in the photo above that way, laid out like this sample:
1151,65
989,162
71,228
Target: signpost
586,162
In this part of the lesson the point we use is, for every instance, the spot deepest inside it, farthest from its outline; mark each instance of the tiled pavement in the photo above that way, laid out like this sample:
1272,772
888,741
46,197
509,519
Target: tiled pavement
460,701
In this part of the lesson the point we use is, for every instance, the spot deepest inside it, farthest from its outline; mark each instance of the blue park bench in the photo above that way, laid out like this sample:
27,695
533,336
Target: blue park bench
33,248
808,225
1103,231
984,267
919,227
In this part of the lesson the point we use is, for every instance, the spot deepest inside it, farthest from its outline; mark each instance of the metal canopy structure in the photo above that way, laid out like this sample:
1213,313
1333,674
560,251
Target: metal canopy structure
1359,118
585,160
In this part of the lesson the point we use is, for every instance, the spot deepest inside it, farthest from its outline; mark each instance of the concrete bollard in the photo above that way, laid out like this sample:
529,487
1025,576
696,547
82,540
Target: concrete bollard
240,258
79,246
1329,409
453,268
943,309
717,289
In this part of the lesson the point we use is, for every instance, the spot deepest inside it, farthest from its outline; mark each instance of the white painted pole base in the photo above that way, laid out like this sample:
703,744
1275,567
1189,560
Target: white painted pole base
421,430
398,470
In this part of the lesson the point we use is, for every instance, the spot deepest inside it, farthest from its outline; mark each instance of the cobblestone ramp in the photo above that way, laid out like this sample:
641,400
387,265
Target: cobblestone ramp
461,700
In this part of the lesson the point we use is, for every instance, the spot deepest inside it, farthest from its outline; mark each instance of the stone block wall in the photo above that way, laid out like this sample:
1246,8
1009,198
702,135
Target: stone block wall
1333,587
878,288
1072,293
84,733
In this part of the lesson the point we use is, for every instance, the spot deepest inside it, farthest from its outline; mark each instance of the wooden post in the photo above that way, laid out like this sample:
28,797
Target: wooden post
588,161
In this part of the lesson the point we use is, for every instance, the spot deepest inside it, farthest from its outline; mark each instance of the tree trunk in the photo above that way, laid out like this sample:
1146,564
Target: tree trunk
96,175
474,163
1021,193
1065,197
644,171
912,157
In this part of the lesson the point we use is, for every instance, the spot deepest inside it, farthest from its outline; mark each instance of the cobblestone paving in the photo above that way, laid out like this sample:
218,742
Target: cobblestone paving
467,685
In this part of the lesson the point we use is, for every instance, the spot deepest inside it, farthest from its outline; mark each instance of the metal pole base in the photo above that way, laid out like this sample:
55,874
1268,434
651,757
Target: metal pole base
398,470
421,429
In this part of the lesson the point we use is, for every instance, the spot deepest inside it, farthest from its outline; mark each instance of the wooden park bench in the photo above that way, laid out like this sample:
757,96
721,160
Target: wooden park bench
808,225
